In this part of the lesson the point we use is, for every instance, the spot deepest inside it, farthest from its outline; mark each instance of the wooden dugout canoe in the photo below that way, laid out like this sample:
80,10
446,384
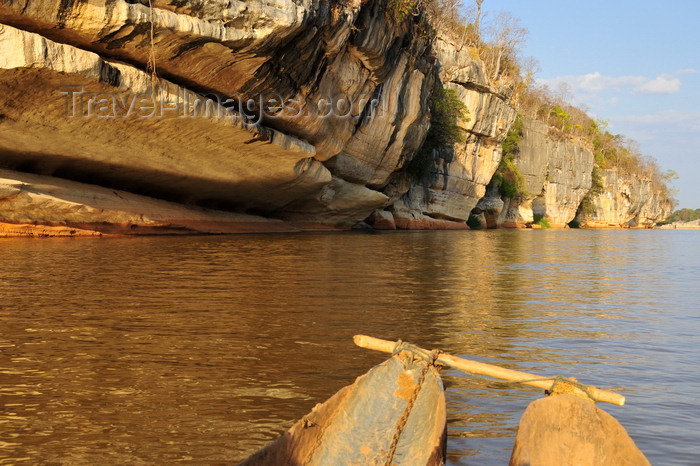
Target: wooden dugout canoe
393,414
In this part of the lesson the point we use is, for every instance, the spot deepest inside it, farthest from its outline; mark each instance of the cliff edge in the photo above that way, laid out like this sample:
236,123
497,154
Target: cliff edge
284,116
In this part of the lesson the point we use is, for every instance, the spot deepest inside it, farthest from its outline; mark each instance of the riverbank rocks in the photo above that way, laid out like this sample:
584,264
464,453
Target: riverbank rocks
41,206
568,430
490,207
382,220
692,225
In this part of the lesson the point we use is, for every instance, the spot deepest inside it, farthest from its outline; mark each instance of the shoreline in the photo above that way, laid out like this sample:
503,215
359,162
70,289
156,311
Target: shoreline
40,230
39,206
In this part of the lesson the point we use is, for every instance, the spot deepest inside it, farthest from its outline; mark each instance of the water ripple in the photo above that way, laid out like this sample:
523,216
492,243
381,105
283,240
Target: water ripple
152,350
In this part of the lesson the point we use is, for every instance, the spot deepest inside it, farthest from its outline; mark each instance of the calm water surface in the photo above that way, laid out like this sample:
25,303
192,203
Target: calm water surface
203,349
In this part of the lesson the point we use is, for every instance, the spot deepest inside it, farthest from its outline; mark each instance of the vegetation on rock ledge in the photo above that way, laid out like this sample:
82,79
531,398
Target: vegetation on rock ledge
511,182
447,111
541,221
611,151
496,43
474,223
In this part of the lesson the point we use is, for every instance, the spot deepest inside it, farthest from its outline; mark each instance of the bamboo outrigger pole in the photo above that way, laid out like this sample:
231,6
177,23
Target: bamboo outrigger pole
497,372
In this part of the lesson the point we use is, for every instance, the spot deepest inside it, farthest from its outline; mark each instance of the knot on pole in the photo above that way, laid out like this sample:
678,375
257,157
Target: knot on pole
562,385
416,352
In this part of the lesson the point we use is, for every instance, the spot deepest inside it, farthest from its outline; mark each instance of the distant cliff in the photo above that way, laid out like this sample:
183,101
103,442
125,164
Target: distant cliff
557,177
263,117
626,200
558,187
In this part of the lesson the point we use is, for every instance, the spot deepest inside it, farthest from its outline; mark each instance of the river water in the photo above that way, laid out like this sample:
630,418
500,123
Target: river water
203,349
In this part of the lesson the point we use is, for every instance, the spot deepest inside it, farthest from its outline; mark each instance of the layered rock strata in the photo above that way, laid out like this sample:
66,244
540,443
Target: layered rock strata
627,201
306,113
461,172
557,179
35,205
557,176
67,112
307,84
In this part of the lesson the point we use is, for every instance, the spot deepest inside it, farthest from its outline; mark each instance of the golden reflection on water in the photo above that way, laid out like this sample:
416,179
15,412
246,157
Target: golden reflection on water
204,349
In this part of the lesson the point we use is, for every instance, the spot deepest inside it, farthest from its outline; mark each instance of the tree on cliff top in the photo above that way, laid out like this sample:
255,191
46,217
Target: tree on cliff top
499,47
683,215
507,38
478,15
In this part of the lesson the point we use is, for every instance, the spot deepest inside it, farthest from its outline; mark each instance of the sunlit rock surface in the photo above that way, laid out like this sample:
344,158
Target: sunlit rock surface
116,139
300,53
557,175
35,205
460,173
627,201
305,112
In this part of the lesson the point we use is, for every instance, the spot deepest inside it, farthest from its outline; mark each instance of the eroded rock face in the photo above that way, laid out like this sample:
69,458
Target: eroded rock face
382,220
557,177
304,54
35,205
627,201
296,51
460,173
50,128
339,205
490,208
318,108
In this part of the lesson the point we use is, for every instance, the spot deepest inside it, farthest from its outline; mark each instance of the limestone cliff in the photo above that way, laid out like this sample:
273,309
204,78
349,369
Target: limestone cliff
627,200
460,172
556,174
298,164
558,187
290,114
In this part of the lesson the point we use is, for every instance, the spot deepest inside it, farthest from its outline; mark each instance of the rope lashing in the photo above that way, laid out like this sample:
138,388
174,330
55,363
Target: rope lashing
433,357
417,354
477,368
565,384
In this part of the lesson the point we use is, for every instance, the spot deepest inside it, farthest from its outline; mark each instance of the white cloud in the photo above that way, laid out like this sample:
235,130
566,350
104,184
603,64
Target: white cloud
596,83
662,84
669,135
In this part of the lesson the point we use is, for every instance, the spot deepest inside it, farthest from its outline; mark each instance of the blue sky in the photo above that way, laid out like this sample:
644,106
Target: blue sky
635,64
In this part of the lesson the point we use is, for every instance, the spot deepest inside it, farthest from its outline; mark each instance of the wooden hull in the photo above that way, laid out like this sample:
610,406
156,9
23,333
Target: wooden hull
393,414
566,429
